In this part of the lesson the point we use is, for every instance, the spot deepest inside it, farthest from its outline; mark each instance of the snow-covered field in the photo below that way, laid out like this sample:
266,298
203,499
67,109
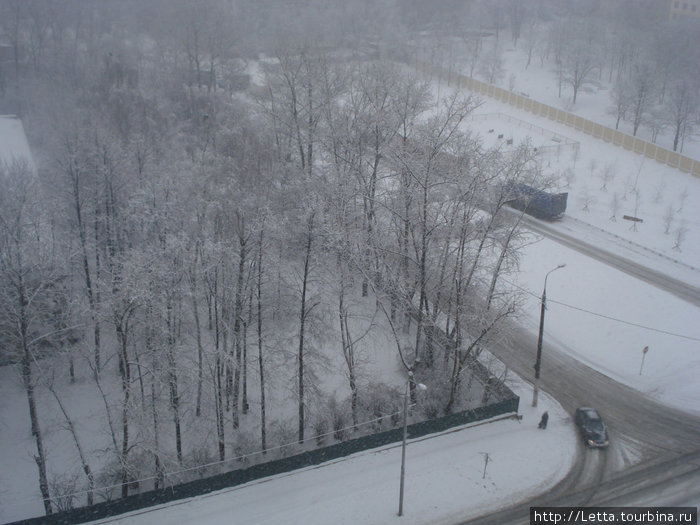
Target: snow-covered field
444,476
606,182
579,294
539,81
593,101
641,188
600,315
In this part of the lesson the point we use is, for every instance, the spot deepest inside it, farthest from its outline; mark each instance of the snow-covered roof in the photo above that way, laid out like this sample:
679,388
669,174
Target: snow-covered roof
14,146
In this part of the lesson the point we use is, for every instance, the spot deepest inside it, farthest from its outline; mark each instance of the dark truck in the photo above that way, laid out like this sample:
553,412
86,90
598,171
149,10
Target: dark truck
535,202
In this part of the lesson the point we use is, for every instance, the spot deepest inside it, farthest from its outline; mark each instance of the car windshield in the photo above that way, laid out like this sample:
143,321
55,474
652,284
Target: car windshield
593,421
596,425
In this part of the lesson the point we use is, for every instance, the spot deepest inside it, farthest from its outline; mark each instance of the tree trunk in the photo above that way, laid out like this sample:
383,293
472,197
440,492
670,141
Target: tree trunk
198,334
302,324
83,460
218,373
172,379
244,401
347,344
677,135
96,233
28,381
160,474
219,408
501,259
122,330
238,315
261,367
82,235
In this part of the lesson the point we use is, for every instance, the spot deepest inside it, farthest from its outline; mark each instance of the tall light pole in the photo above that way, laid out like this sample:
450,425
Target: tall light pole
420,386
538,362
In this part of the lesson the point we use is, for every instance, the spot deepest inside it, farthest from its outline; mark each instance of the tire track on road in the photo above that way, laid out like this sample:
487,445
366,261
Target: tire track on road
658,279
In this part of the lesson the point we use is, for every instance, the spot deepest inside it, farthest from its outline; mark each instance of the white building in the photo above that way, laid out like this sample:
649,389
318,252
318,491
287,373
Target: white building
14,146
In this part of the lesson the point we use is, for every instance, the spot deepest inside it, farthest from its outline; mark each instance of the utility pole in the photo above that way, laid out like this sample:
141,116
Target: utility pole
420,386
538,362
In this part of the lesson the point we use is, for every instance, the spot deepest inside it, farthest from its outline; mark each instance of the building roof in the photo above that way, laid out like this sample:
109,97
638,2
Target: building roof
14,146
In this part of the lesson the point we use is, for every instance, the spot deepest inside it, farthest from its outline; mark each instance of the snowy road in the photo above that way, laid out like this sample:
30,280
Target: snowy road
653,268
673,483
654,455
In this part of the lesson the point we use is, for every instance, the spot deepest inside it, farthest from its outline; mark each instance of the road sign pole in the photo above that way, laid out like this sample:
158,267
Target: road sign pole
644,354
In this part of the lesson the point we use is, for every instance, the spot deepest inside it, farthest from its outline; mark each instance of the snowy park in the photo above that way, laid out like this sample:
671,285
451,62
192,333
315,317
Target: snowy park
280,228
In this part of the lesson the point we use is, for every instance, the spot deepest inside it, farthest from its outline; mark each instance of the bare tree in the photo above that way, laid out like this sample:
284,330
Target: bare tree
532,38
517,14
78,444
491,64
305,310
679,237
259,319
578,65
422,161
607,175
656,123
620,95
641,92
614,207
29,282
681,104
668,218
244,236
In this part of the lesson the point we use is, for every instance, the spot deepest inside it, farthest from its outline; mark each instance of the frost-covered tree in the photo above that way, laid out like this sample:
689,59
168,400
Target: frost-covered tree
641,90
32,292
578,64
681,107
620,96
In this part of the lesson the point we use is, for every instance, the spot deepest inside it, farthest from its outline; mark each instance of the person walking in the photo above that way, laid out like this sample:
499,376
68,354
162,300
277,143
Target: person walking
543,421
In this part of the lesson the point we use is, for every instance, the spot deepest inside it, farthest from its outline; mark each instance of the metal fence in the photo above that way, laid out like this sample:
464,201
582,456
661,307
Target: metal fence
561,142
507,403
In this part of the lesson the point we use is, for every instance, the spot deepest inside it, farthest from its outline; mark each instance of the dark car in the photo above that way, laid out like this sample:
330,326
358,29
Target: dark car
592,427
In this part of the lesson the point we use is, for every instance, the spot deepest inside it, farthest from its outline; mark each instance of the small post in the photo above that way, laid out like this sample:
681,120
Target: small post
644,354
420,386
486,463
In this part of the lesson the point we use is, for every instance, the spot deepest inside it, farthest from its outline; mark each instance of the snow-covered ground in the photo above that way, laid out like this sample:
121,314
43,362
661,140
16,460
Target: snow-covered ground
579,294
593,101
606,182
663,197
598,314
444,480
444,473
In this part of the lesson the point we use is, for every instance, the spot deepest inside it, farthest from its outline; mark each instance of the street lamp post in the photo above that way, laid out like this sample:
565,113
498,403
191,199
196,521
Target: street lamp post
538,362
420,386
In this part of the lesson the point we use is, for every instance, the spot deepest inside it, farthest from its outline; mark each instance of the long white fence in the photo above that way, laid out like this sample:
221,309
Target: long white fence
616,137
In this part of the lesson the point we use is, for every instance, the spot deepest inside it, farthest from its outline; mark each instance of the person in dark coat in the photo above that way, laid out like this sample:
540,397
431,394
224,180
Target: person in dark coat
543,421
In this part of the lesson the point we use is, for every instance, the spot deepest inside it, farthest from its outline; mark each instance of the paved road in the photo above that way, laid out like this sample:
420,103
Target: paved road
651,445
653,449
655,278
